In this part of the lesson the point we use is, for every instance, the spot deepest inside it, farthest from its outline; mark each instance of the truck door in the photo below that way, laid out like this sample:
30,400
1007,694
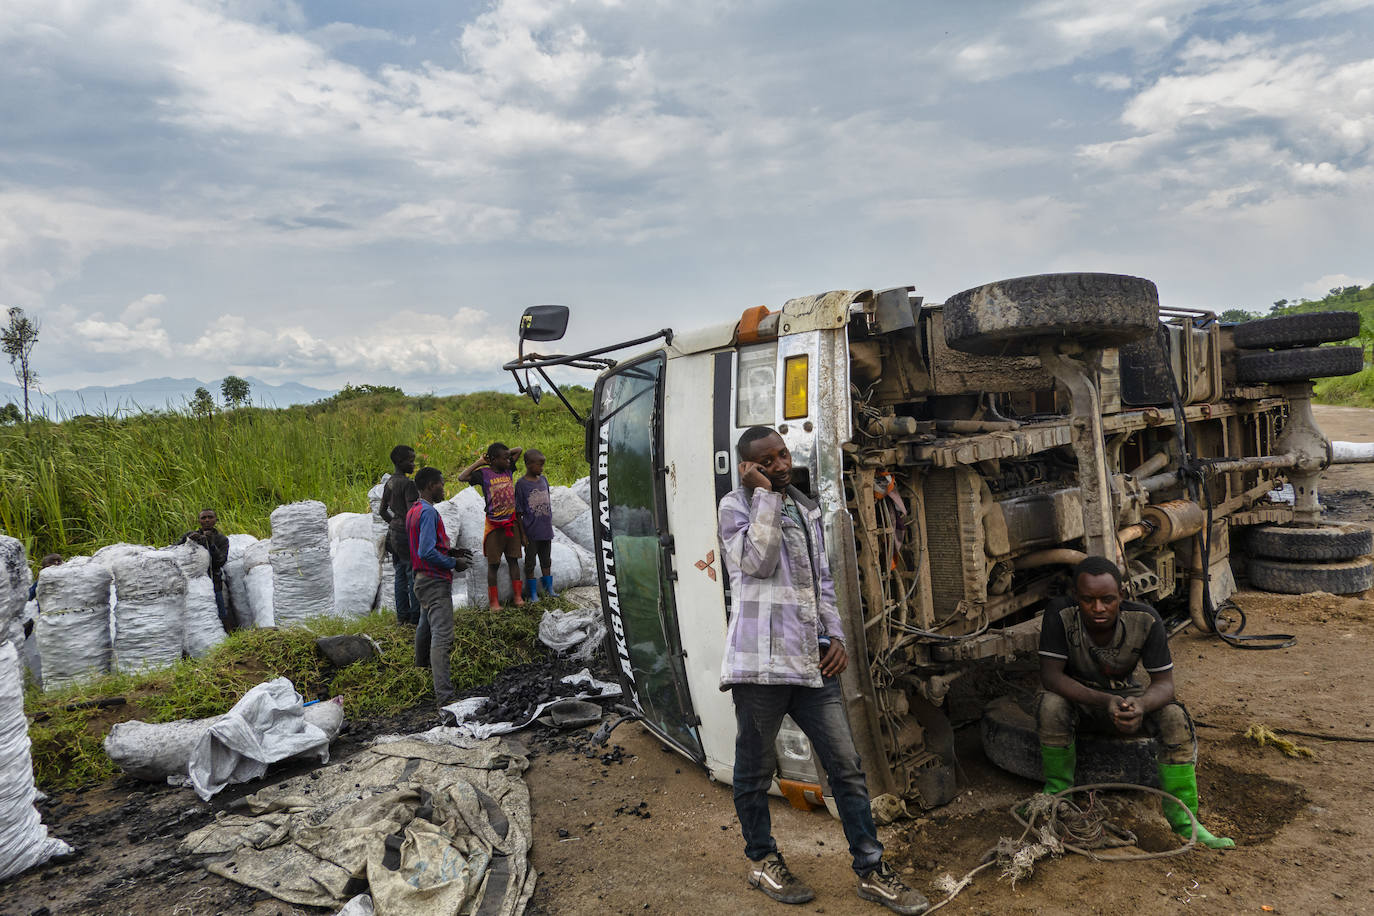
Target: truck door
630,526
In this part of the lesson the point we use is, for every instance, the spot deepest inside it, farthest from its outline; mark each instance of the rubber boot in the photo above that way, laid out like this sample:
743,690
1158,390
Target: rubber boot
531,590
1057,765
547,583
1180,781
494,594
518,587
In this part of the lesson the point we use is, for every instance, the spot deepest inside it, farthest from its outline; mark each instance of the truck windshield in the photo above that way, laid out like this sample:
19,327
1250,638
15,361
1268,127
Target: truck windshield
638,592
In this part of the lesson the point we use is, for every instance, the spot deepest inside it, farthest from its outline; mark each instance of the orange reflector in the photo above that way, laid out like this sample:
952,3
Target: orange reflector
794,398
802,795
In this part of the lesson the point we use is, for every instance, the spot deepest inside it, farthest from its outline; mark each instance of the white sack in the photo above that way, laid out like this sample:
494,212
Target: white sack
357,572
268,724
451,514
159,751
476,580
236,579
386,586
15,579
460,591
150,611
374,495
302,584
580,531
203,630
356,525
260,596
258,553
472,514
107,555
583,489
566,505
585,559
579,632
300,525
566,566
73,628
24,841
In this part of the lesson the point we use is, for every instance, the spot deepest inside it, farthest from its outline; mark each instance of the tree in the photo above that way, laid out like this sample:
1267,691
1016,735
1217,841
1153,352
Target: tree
10,415
19,336
234,390
202,405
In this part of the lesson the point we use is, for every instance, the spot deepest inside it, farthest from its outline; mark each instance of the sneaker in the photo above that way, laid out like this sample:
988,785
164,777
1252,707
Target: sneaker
883,886
771,875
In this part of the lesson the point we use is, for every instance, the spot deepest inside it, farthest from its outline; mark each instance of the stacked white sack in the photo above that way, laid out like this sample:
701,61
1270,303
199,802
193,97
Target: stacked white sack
24,841
580,531
583,489
356,543
236,579
566,505
257,570
203,630
150,611
74,625
374,495
586,562
15,580
302,574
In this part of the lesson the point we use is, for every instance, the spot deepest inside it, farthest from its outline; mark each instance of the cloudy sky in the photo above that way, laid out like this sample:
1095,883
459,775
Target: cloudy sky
372,192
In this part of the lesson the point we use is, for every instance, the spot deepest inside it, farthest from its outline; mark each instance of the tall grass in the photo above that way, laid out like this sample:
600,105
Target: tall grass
75,486
1351,391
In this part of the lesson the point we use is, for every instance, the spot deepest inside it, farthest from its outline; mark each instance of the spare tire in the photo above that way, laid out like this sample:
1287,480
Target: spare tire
1010,740
1344,541
1302,330
1013,317
1298,365
1345,577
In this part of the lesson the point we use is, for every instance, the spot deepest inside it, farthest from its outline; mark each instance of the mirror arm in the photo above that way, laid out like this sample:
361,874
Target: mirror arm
584,357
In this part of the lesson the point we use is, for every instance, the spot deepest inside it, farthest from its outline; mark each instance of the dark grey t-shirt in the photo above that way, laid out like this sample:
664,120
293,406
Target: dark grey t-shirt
1139,639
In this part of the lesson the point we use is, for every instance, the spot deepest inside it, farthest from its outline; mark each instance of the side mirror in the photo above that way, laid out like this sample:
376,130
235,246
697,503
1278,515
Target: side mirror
544,322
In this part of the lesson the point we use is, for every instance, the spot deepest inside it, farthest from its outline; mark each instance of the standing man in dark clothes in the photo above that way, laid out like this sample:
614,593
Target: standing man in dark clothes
434,562
534,508
209,537
398,496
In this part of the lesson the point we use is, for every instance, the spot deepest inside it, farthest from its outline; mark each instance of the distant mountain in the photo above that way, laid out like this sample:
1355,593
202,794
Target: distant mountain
152,394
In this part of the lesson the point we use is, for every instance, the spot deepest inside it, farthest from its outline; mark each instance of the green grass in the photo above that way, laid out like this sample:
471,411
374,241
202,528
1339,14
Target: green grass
75,486
1351,391
67,751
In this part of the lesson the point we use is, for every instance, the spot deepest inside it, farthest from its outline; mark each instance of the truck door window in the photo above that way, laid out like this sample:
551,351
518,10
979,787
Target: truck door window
638,588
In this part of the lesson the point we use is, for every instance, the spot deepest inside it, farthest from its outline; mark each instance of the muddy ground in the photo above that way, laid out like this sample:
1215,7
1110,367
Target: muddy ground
636,829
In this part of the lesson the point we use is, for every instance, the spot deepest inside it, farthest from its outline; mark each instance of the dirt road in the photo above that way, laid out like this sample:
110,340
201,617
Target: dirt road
636,829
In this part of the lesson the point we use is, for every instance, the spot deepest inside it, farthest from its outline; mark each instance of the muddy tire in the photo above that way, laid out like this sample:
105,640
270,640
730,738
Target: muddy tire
1344,577
1297,330
1013,317
1011,741
1298,365
1345,541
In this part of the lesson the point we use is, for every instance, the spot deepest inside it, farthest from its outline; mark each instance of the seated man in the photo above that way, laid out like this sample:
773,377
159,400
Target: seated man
1089,647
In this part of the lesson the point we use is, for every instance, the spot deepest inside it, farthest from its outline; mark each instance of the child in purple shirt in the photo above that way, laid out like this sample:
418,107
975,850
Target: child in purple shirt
535,510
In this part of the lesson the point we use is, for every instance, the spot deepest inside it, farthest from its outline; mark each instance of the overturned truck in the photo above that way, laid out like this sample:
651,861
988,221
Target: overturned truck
965,455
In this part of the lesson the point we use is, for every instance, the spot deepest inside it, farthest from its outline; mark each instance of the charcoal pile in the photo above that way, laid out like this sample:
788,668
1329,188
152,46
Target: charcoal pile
517,692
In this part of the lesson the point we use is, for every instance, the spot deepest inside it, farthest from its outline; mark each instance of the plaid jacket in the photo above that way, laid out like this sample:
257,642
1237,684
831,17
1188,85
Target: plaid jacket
782,594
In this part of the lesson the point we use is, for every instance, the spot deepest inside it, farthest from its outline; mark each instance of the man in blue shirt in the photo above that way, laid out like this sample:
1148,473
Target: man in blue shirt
434,562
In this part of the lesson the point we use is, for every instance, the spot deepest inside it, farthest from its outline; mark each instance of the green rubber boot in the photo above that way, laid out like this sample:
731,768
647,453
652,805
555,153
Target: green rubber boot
1057,763
1180,781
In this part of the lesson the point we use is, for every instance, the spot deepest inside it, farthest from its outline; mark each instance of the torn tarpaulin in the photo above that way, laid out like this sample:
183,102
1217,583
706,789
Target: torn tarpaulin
427,828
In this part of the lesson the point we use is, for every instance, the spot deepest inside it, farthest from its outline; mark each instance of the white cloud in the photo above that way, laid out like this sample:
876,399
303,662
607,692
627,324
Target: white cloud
1321,286
142,307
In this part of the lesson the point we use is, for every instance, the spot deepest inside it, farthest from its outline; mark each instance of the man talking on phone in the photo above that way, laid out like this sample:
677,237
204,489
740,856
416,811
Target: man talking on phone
784,654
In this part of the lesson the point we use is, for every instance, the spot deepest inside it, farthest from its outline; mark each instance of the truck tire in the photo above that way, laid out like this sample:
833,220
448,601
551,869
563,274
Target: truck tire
1013,317
1298,365
1344,541
1010,740
1344,577
1302,330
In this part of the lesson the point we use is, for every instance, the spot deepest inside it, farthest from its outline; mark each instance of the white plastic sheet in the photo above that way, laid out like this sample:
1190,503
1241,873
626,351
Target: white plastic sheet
266,725
24,841
74,626
579,632
150,611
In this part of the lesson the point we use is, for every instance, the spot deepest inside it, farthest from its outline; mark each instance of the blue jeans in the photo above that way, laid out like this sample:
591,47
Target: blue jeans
819,712
407,604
